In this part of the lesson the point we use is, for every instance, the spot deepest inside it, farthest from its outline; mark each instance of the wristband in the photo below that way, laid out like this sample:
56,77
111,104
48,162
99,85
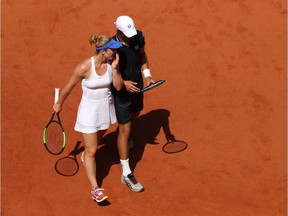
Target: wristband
146,73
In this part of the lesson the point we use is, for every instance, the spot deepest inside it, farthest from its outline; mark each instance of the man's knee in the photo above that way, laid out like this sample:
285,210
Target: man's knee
125,129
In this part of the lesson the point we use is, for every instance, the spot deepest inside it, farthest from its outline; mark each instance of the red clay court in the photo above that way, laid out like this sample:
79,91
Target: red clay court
225,66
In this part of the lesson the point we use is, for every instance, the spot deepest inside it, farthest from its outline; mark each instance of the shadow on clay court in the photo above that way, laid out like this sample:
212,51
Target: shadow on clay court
68,165
145,129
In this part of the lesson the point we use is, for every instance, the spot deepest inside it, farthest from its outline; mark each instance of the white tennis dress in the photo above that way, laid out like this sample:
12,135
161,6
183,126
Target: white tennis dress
96,110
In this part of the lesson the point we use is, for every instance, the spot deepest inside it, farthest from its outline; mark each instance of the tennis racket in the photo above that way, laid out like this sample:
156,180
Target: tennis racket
54,136
174,146
153,85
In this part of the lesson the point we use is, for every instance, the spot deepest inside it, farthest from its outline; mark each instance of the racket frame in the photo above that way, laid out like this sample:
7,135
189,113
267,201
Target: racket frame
63,133
152,85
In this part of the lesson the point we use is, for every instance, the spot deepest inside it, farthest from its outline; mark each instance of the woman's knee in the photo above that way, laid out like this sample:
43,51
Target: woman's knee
90,152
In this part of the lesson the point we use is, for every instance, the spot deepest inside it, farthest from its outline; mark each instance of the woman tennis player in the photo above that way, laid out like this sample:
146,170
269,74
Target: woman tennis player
96,110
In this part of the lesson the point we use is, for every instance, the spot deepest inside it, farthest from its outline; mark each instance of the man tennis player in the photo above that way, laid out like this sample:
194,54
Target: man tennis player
133,62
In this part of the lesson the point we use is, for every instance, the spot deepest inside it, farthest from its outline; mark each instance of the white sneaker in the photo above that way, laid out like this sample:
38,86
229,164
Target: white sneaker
82,157
132,183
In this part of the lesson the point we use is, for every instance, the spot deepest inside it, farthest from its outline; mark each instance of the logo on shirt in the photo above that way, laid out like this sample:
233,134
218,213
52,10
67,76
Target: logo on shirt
136,47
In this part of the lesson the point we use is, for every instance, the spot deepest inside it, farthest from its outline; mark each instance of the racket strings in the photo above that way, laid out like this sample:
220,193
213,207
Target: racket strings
54,138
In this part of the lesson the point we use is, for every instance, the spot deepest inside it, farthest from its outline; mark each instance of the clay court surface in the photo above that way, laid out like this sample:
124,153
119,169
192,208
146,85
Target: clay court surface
225,67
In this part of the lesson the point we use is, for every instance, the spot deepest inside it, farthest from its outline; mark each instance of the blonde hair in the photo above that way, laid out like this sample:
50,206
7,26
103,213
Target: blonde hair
99,40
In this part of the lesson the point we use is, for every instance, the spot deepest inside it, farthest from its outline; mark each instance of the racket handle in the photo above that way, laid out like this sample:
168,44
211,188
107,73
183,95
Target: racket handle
57,90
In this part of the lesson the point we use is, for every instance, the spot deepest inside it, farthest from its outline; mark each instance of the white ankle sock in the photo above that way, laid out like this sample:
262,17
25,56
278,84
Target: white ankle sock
125,167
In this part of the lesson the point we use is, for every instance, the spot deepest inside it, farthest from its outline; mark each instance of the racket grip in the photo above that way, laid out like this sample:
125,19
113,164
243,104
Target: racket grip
57,90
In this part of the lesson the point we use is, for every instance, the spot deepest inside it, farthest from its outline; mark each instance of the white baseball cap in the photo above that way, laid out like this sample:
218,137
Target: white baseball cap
126,25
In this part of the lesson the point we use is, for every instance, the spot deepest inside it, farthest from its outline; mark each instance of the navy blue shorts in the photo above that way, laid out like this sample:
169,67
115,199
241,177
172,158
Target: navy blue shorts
125,104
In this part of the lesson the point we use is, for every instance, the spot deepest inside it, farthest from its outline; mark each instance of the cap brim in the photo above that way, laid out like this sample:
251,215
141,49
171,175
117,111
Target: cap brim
132,32
112,44
115,45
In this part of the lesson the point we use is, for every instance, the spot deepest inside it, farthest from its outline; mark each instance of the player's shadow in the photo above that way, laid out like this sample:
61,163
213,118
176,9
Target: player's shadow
145,129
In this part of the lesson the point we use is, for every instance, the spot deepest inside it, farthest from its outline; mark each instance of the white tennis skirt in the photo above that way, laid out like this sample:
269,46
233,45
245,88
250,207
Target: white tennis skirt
95,115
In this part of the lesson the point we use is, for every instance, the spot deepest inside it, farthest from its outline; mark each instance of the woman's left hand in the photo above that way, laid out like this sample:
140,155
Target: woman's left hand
115,62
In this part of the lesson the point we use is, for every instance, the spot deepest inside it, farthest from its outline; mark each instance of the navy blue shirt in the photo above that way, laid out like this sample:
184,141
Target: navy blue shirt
130,59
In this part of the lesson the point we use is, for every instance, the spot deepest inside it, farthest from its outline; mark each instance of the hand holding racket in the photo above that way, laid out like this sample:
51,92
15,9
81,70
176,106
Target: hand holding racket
54,137
153,85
